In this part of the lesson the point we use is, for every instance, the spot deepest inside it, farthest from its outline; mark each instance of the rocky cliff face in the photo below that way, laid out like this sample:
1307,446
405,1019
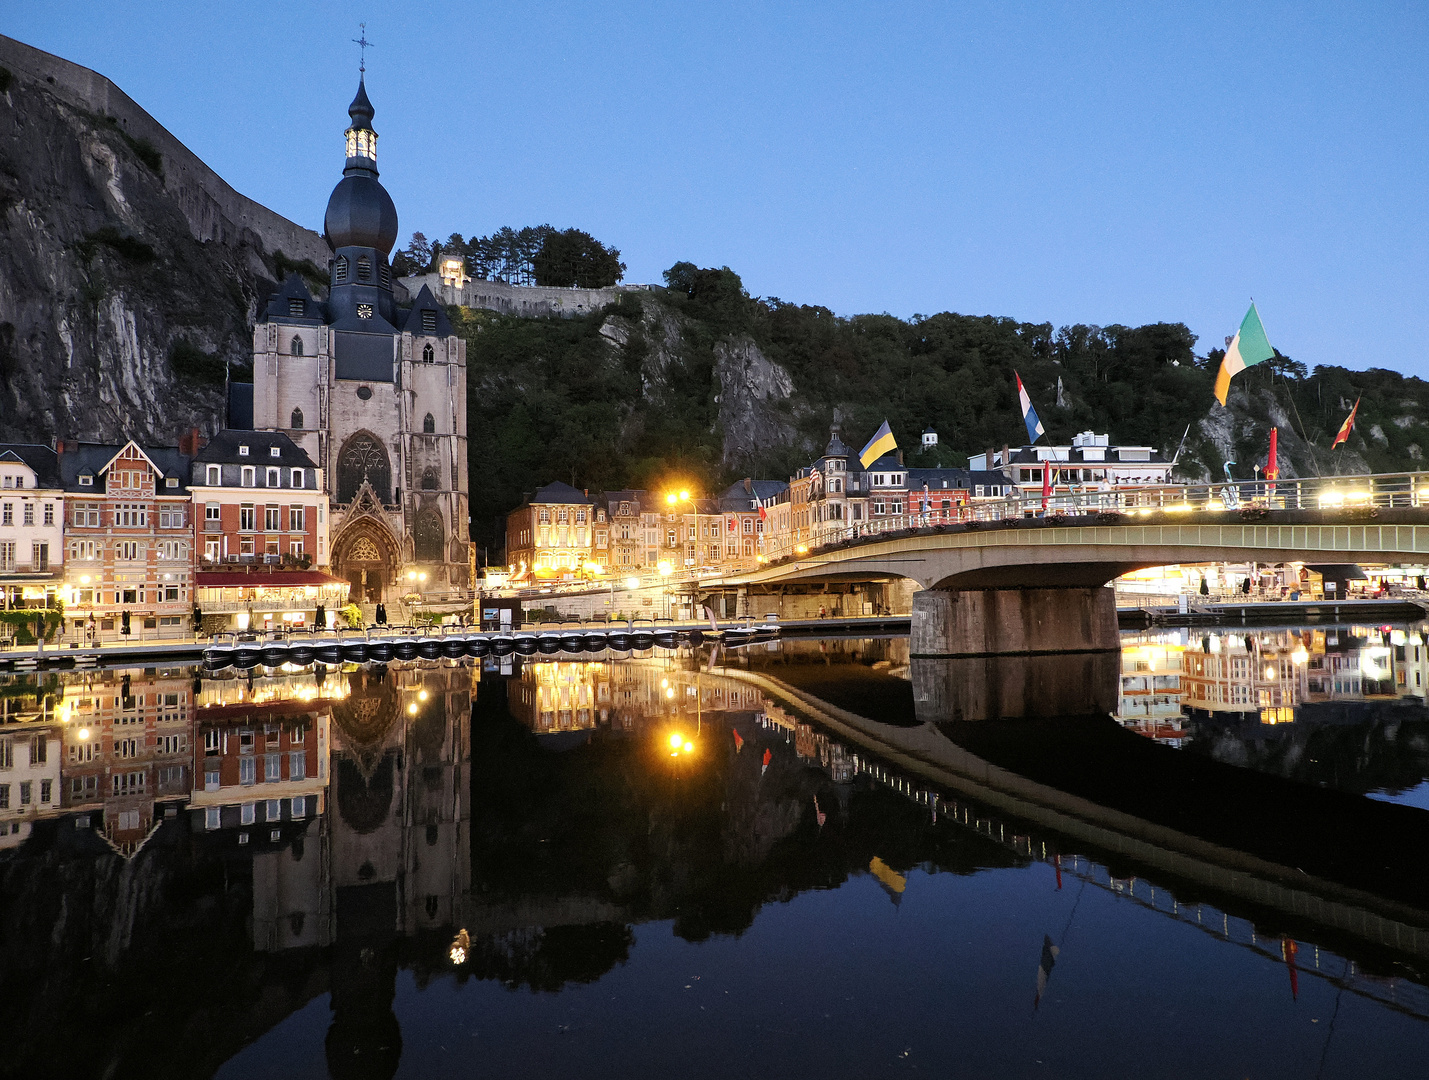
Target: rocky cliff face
754,406
125,286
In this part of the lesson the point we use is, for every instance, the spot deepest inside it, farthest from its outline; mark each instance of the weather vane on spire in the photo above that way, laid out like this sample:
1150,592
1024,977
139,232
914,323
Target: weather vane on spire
362,43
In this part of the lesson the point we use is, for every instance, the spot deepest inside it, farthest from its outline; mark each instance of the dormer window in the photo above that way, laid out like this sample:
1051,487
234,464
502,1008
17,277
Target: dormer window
271,479
171,481
296,348
429,355
297,306
429,321
243,450
364,268
296,478
215,476
339,269
274,451
86,480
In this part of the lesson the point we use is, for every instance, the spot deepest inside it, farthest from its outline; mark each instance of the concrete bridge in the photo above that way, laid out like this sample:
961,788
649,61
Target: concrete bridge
1030,585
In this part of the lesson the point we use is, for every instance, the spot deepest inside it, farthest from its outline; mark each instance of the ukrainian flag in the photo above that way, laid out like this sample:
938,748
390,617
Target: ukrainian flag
881,443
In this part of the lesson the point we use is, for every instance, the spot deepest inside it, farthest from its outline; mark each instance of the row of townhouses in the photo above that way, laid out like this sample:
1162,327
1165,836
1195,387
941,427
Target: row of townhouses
145,540
560,531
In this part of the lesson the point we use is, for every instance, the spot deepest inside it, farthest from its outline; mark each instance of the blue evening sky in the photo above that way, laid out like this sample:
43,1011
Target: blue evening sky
1063,162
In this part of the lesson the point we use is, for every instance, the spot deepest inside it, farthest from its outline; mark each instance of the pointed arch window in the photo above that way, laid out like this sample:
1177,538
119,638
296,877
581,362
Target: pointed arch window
430,480
429,354
339,270
297,424
363,457
297,346
429,424
428,536
364,268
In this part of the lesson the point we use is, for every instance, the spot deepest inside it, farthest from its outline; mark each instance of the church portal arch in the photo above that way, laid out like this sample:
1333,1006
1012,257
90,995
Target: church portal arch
367,555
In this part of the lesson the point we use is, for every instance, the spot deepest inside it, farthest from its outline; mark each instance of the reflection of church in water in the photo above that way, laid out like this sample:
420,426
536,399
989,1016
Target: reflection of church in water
376,394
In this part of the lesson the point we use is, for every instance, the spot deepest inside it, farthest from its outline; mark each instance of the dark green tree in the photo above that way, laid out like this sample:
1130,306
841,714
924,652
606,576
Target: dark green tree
575,258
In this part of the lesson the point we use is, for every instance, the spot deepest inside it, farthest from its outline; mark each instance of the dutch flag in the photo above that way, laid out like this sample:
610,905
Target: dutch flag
1029,414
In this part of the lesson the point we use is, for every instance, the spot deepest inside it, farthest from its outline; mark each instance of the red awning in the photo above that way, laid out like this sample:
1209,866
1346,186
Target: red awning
262,578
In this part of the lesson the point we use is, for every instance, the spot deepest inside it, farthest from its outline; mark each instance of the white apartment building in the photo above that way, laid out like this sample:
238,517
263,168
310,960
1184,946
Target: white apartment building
31,525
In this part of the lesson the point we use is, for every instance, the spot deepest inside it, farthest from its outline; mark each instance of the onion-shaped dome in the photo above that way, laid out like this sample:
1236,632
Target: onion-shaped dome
360,213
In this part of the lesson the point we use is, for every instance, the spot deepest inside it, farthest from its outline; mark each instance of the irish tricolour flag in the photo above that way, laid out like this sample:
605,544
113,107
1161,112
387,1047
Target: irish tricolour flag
1249,346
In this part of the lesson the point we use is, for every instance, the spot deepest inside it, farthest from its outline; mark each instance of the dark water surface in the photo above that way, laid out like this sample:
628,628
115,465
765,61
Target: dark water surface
1203,858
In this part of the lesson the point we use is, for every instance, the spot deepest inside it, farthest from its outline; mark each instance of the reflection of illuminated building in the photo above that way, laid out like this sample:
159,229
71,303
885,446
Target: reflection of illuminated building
126,749
1354,666
556,696
1151,691
1243,673
29,780
400,779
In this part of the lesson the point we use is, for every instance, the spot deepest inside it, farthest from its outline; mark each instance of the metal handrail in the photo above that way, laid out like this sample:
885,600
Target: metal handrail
1361,492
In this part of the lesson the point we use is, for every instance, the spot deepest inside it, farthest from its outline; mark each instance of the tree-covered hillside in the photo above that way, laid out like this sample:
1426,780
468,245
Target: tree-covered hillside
649,391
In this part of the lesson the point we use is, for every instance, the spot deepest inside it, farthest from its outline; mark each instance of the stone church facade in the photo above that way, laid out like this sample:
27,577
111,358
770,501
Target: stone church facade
375,393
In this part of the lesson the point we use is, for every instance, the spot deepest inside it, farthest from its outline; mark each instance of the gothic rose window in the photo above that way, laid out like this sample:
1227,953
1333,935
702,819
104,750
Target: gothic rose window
363,457
364,550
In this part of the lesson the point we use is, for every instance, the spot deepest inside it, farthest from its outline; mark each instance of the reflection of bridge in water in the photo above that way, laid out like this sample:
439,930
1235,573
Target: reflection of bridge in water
1401,994
1212,826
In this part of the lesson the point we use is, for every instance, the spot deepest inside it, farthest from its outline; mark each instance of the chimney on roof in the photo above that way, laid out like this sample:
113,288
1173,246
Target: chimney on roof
190,442
900,456
749,485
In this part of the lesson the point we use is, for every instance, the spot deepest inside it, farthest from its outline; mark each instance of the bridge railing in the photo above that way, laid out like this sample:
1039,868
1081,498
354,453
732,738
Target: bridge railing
1374,491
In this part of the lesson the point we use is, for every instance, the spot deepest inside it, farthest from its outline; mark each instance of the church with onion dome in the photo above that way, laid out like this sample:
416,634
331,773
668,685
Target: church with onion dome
374,392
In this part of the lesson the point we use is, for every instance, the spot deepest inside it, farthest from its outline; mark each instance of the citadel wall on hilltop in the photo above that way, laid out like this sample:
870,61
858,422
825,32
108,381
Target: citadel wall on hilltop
213,209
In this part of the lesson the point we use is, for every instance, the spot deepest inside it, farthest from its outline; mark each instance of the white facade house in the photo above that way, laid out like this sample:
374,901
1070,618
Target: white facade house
31,525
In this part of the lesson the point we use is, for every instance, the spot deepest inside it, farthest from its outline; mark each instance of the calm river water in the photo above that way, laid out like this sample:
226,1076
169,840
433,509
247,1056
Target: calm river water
1205,857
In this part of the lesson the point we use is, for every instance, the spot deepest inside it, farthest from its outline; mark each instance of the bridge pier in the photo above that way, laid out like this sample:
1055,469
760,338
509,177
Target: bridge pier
994,622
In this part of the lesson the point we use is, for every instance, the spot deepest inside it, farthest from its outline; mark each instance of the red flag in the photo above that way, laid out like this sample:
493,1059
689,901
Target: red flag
1288,949
1046,484
1347,426
1272,463
738,742
763,513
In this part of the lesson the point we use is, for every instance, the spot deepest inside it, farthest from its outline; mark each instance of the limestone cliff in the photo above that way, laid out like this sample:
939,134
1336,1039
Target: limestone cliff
129,272
754,405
